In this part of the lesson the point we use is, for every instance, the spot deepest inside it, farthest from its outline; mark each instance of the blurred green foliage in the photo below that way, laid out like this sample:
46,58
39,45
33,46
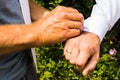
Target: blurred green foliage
50,59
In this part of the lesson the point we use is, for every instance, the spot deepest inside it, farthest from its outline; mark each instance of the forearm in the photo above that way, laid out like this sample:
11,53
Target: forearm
15,38
37,11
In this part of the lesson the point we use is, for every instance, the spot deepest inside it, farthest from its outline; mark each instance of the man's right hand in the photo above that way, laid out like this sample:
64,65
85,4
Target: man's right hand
59,25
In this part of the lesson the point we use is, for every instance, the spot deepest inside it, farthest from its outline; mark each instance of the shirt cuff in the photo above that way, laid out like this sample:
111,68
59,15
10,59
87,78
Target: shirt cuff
97,25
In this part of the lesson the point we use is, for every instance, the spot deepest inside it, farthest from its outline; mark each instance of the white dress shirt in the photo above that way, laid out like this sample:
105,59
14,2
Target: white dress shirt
105,14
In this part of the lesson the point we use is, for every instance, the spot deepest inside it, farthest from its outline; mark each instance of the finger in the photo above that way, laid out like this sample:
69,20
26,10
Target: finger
82,58
68,9
74,25
74,54
91,65
67,56
67,47
75,16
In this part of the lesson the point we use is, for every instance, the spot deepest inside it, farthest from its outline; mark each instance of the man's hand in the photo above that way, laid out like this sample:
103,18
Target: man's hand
83,51
59,25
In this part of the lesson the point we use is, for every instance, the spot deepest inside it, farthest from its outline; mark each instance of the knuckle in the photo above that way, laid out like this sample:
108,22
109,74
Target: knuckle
79,63
80,24
64,24
67,57
77,32
63,14
64,35
60,8
81,15
72,61
87,47
91,68
97,59
73,9
76,10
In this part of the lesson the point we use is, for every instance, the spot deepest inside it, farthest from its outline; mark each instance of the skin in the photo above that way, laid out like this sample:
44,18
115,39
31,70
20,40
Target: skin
37,12
85,51
48,28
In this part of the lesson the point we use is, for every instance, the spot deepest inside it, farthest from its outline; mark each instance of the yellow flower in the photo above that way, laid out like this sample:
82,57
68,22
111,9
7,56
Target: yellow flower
111,42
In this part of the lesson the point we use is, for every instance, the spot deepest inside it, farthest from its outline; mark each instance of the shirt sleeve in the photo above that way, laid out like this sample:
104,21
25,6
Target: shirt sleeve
105,14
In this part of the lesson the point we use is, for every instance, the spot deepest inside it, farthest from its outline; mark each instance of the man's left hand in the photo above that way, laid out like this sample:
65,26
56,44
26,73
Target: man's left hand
83,51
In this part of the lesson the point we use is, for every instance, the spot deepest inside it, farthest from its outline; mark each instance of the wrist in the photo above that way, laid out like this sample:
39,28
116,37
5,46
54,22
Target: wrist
92,35
36,34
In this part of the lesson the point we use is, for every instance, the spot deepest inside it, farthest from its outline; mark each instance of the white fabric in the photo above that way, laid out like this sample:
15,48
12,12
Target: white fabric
26,15
25,10
105,14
